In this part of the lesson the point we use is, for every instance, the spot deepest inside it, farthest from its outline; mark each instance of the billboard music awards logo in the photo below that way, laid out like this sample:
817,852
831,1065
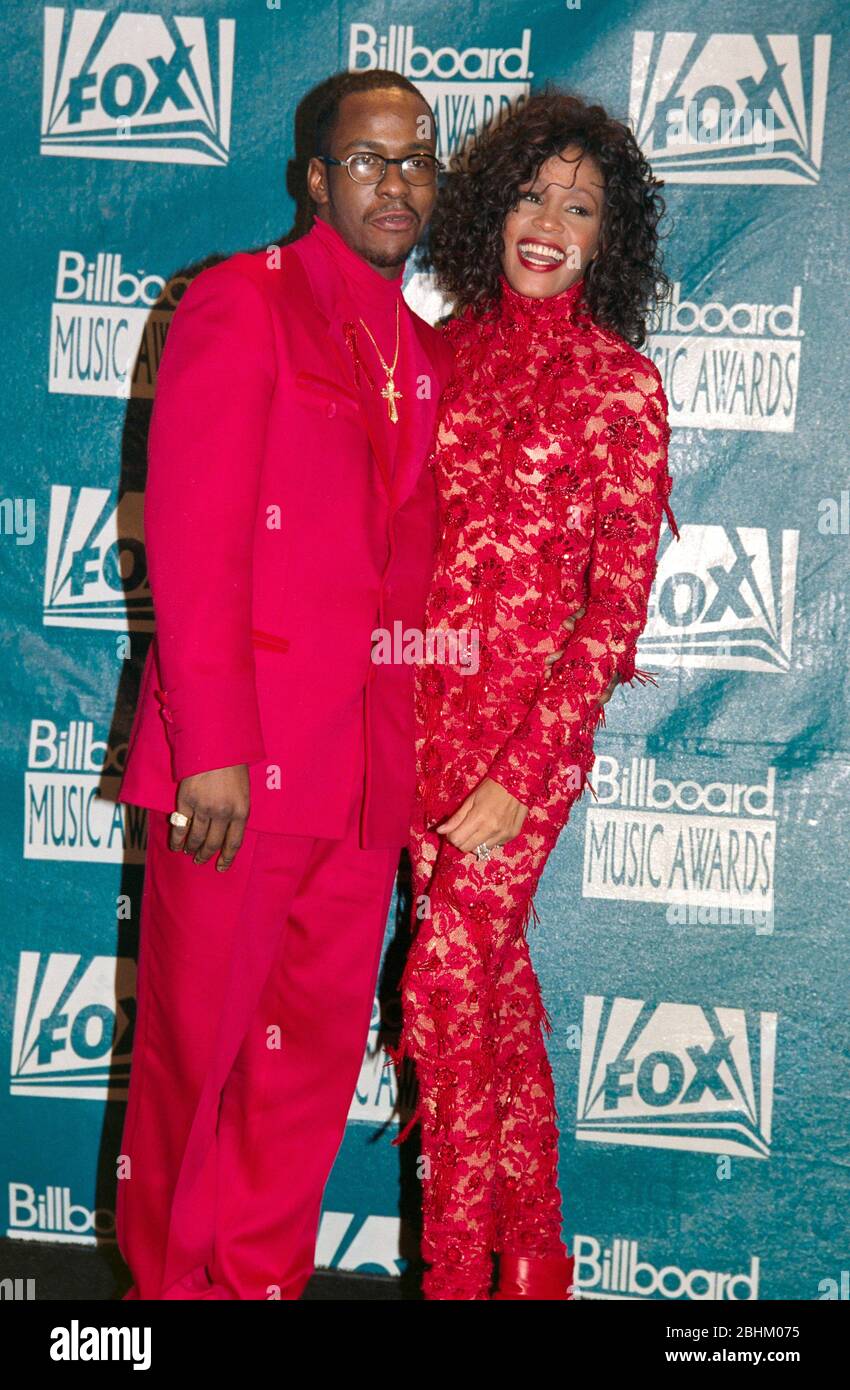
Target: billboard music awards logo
723,599
622,1270
467,89
52,1214
730,108
96,572
128,85
70,785
108,326
72,1035
676,1076
648,838
729,368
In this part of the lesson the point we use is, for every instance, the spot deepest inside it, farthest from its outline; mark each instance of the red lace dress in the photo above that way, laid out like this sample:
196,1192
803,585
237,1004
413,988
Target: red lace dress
551,466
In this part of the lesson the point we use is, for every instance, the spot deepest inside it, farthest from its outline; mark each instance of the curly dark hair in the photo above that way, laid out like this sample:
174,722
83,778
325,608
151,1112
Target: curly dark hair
624,282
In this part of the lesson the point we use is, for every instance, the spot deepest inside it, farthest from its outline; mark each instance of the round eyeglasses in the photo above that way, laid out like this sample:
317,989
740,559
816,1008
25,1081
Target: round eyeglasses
365,167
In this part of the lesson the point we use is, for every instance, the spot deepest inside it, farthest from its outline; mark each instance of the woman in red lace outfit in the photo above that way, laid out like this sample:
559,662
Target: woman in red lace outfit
551,465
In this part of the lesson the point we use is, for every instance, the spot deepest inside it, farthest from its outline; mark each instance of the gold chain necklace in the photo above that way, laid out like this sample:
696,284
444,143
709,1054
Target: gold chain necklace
390,391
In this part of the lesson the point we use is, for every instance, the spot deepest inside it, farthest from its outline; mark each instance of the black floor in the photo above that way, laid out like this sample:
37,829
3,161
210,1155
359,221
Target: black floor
98,1274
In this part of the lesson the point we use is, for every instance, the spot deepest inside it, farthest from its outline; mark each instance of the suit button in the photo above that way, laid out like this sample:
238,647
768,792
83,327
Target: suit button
331,408
161,695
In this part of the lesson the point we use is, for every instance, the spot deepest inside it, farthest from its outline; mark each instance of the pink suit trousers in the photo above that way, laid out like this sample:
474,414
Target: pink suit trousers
254,997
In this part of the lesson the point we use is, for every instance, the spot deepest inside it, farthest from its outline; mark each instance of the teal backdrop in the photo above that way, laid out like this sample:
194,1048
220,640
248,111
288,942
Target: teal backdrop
692,943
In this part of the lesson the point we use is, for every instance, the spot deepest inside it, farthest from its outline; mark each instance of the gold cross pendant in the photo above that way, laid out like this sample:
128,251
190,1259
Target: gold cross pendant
390,394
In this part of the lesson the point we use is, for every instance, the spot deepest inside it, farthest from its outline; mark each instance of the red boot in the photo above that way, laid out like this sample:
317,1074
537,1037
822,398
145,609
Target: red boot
535,1276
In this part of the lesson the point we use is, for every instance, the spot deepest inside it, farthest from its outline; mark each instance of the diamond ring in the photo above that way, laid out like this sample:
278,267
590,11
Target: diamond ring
178,818
482,851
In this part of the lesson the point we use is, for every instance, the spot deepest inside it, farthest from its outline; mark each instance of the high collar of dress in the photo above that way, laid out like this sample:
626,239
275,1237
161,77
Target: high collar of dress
544,313
369,285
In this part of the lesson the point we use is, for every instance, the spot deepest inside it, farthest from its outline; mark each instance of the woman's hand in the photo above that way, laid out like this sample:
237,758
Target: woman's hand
489,815
569,624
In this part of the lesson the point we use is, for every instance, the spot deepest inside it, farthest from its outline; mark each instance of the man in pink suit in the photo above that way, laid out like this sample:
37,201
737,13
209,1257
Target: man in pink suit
289,514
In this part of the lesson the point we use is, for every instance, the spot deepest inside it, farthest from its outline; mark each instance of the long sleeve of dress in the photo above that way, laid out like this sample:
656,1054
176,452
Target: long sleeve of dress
205,455
625,440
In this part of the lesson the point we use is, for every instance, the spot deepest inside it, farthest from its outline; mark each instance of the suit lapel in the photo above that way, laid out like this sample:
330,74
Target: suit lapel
345,345
418,415
345,334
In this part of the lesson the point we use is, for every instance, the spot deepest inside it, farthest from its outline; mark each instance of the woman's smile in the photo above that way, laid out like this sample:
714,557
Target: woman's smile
540,255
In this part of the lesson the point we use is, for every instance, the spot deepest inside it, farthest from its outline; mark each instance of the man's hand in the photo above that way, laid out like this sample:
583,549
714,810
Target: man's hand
569,624
489,815
217,804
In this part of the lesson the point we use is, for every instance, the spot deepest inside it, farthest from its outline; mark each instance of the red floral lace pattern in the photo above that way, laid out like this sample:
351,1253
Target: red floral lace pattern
551,464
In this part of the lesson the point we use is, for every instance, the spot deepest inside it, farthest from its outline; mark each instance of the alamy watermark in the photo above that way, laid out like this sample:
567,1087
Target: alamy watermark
413,646
713,124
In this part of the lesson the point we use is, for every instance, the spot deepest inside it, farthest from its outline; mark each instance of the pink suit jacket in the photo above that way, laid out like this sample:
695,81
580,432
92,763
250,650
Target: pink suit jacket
278,538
